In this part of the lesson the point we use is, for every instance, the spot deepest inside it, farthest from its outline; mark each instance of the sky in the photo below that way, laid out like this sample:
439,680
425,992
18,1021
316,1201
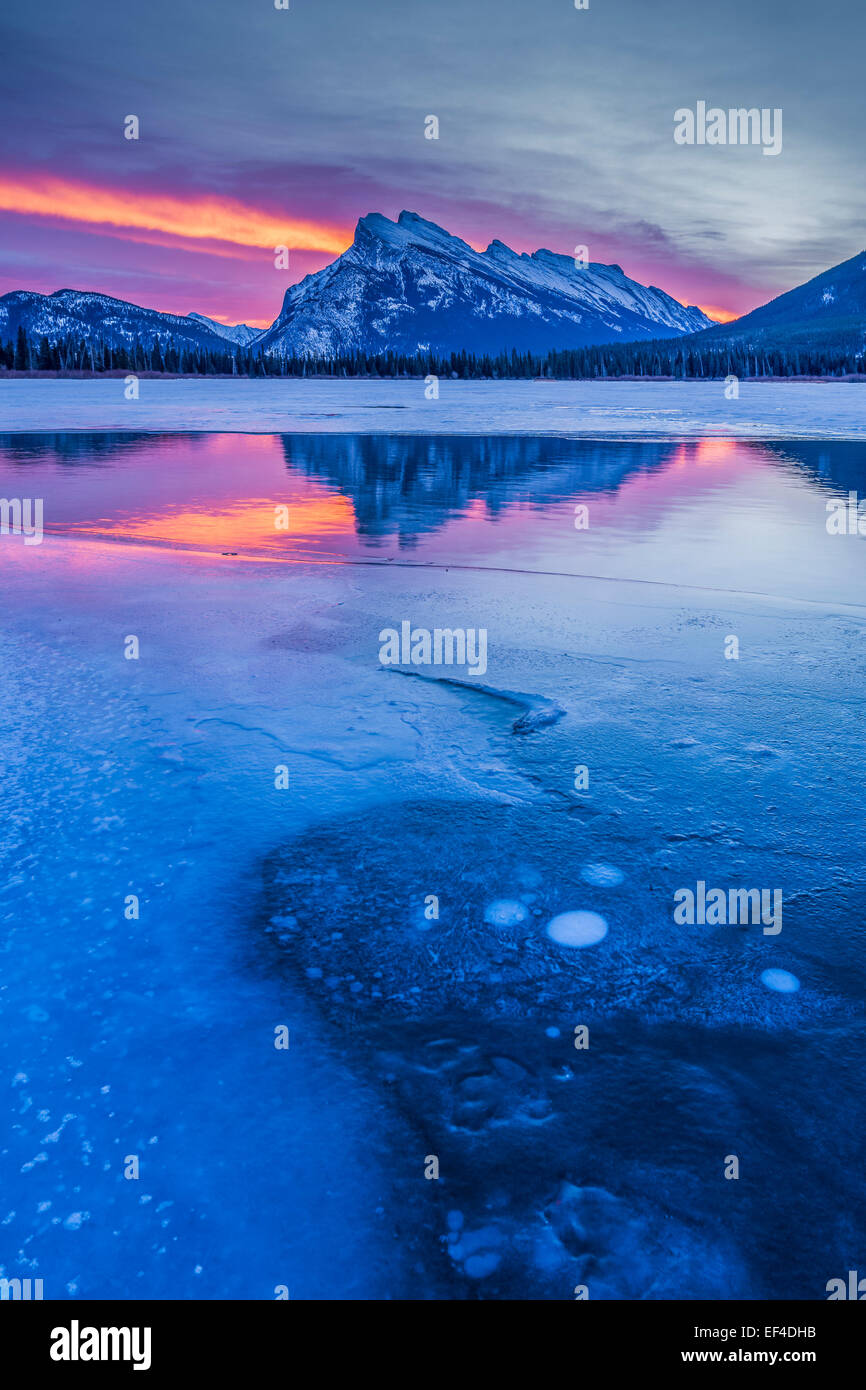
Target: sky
262,127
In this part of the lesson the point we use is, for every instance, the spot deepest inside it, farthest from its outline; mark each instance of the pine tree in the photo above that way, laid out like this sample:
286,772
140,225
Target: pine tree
22,350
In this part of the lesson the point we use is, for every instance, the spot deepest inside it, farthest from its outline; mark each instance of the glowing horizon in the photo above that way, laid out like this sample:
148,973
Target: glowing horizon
220,226
205,219
718,315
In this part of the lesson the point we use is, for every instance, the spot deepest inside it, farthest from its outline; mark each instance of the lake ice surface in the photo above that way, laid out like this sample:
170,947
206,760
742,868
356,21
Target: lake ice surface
305,907
763,410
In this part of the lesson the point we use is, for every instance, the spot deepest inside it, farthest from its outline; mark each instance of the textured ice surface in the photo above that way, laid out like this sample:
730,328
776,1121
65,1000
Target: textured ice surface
773,410
505,913
602,875
416,1035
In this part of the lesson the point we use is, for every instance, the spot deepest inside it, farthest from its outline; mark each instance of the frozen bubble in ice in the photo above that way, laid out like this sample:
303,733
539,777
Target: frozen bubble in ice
782,981
602,875
577,928
479,1266
505,912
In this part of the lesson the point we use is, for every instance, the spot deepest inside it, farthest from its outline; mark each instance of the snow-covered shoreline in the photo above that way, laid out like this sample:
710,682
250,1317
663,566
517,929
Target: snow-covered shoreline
763,410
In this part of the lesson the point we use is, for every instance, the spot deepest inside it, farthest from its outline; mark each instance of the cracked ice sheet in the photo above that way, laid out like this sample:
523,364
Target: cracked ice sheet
776,410
703,758
703,767
155,1036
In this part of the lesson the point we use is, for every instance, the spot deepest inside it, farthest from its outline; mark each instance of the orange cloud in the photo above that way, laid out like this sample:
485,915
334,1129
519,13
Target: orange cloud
194,218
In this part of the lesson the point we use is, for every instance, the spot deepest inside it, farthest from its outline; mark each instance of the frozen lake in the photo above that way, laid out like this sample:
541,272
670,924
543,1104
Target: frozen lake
771,410
609,576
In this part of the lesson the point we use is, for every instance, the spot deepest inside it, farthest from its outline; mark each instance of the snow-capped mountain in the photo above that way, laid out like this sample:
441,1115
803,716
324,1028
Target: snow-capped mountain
232,332
409,285
96,318
406,286
827,311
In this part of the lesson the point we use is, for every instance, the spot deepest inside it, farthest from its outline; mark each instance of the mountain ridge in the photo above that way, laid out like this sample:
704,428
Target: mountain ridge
240,333
401,286
97,317
411,286
831,307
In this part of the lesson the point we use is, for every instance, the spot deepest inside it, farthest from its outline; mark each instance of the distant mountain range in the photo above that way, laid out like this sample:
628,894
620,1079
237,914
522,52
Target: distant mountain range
97,318
410,287
231,332
404,286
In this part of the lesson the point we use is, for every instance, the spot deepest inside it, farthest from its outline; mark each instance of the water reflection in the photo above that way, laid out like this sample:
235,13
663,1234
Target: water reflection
86,448
402,487
707,512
